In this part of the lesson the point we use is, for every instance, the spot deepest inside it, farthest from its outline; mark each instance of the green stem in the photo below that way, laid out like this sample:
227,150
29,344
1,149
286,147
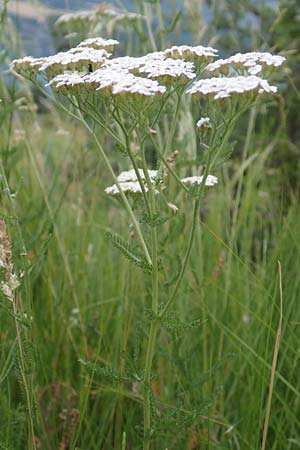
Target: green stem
123,196
134,164
154,322
173,125
236,208
186,258
191,237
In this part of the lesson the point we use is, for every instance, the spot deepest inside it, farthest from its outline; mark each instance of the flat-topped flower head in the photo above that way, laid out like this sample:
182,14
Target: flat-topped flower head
198,53
130,175
107,81
99,43
168,70
131,63
223,87
138,86
129,183
204,122
210,180
28,64
129,187
251,62
125,63
132,187
77,59
68,82
122,82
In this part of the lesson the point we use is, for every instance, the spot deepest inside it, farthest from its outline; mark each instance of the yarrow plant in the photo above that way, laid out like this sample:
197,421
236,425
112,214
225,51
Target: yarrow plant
135,93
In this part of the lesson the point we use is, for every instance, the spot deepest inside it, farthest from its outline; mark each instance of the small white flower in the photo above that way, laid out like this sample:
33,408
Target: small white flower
130,175
210,180
204,122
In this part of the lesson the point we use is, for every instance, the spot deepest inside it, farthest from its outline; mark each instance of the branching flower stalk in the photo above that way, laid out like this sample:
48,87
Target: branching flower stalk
128,98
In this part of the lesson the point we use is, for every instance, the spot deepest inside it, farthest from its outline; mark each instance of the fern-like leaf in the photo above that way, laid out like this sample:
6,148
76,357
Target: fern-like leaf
125,248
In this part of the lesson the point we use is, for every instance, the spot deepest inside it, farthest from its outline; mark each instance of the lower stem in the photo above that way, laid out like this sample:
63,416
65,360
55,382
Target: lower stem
147,384
154,321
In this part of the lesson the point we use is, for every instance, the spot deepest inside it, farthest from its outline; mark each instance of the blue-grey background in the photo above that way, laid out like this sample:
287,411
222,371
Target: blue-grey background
37,37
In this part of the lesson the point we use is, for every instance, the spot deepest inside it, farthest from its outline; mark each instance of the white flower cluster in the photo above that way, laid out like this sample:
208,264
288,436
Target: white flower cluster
132,64
204,122
165,68
103,11
62,61
88,65
223,87
130,175
75,57
111,81
154,65
99,43
27,64
67,79
129,83
253,62
129,182
188,52
210,180
132,187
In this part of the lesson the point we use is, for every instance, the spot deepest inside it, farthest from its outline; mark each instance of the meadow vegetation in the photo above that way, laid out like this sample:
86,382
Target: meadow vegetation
75,323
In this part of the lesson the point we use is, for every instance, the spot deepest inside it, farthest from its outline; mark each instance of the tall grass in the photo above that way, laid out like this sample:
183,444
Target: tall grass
88,305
